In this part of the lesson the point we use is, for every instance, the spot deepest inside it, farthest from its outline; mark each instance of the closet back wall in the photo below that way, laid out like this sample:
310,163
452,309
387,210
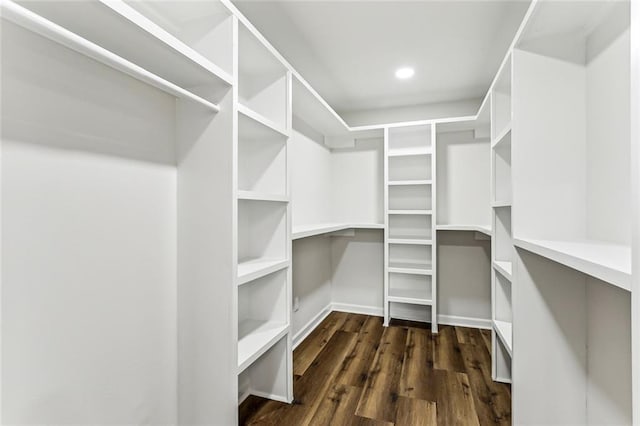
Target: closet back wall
89,239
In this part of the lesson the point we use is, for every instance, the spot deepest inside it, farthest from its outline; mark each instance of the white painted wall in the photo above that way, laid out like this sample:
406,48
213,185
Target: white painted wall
358,269
89,238
312,274
357,182
463,176
464,275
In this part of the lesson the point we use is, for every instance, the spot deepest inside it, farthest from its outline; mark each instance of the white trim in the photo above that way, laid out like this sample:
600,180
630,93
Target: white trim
453,320
244,396
311,325
272,396
357,309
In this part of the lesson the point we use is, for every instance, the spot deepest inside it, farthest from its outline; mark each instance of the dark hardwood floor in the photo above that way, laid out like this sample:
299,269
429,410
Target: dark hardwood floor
353,371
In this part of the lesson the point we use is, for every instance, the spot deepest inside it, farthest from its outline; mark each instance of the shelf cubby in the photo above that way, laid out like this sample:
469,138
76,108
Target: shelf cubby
262,238
410,226
266,376
410,288
501,103
262,157
97,29
502,171
262,318
503,312
410,258
503,244
413,197
262,80
410,168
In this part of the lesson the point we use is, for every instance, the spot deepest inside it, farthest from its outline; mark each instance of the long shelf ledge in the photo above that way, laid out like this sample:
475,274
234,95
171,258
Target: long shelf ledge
255,338
484,229
603,260
37,24
304,231
252,269
503,330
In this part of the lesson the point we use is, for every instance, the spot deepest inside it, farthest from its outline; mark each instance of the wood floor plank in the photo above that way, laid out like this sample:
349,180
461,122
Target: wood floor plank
454,401
380,395
417,370
354,322
310,347
416,412
447,354
486,337
313,385
492,399
355,367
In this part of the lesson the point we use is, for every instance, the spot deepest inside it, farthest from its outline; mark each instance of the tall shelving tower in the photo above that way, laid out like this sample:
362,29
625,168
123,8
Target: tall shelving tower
410,237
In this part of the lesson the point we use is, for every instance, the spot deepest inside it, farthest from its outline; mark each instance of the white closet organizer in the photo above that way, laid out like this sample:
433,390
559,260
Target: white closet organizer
263,224
409,249
572,215
499,103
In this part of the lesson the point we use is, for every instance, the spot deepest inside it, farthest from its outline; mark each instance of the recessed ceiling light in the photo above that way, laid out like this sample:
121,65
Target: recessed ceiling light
404,73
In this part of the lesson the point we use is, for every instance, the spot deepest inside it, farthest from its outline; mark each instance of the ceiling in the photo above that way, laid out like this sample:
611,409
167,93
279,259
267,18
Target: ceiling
349,50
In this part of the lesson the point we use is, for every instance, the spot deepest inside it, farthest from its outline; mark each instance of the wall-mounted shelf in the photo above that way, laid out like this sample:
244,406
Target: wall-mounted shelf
411,241
409,152
46,28
252,269
410,268
304,231
259,196
503,137
503,330
255,338
501,204
411,296
605,261
409,182
410,212
484,229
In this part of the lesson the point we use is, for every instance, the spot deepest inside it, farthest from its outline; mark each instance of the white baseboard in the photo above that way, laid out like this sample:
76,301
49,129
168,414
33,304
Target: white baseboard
357,309
311,325
464,321
272,396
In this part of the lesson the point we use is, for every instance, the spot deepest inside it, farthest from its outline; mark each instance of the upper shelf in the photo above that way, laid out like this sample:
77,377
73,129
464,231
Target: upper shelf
485,229
606,261
309,107
116,27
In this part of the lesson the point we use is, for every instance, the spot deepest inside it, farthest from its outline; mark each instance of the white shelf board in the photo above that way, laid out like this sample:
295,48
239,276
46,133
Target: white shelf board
409,240
503,330
603,260
255,338
409,182
409,212
484,229
304,231
37,24
504,268
413,297
501,204
409,152
249,270
262,120
502,137
259,196
410,268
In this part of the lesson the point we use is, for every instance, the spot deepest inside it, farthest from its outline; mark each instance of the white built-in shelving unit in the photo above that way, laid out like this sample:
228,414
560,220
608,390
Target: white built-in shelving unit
502,251
571,184
410,237
263,222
